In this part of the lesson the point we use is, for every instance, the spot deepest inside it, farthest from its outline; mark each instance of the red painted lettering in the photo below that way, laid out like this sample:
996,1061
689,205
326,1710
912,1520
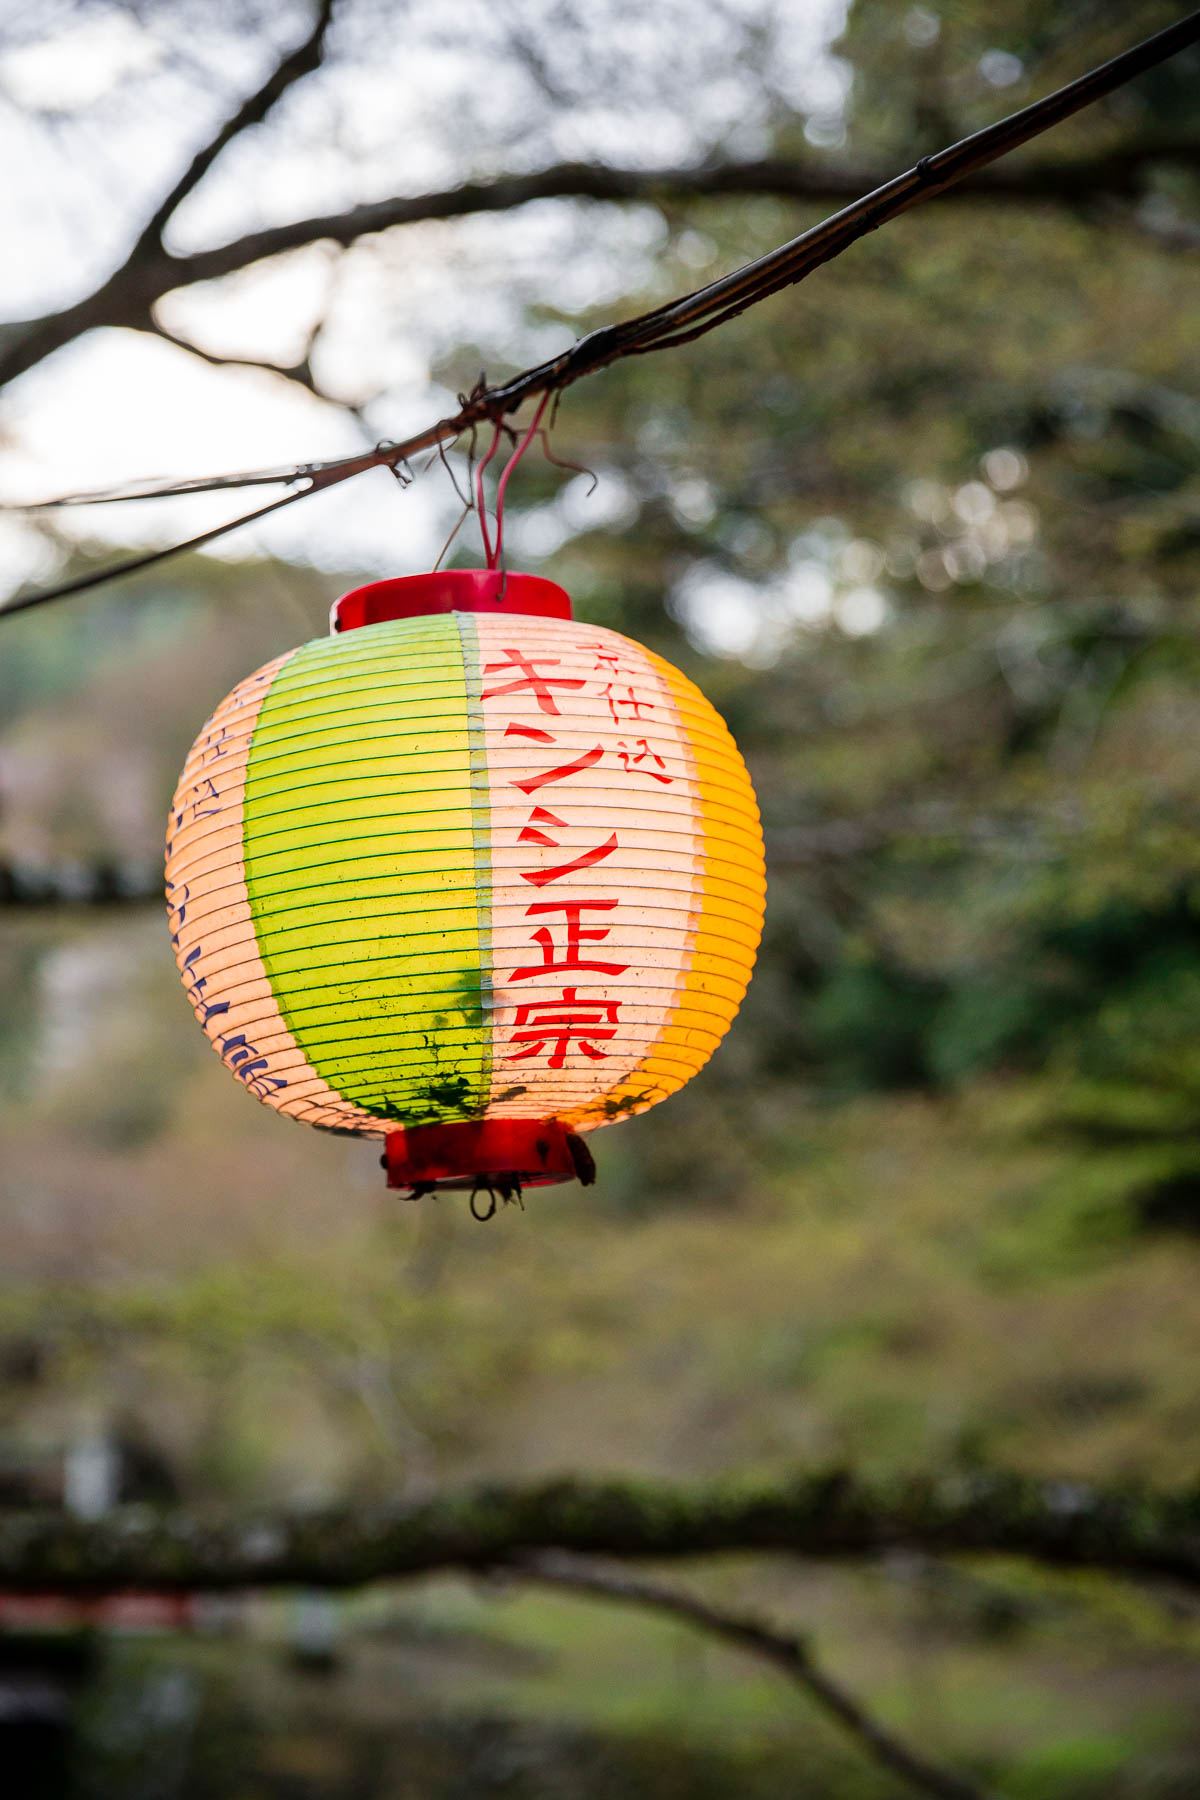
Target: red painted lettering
645,754
562,772
553,1024
577,934
528,731
529,681
588,860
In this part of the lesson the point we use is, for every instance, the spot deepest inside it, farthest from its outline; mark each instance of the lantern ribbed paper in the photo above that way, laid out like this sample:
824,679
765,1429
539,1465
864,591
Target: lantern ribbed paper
464,865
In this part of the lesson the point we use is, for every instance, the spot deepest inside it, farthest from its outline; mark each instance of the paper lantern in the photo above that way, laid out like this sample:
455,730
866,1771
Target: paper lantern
467,875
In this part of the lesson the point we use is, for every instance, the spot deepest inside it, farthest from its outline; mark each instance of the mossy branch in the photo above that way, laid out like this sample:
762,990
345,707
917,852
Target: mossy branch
826,1514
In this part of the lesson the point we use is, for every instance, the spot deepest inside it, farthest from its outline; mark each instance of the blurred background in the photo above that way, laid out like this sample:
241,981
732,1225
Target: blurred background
927,531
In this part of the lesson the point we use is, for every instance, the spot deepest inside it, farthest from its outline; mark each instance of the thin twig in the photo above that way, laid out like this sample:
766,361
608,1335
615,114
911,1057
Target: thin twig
463,516
463,499
560,462
692,315
300,372
787,1652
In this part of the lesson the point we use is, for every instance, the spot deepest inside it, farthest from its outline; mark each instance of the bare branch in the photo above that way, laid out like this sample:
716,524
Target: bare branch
300,372
301,61
127,295
125,298
1111,175
683,319
784,1650
825,1514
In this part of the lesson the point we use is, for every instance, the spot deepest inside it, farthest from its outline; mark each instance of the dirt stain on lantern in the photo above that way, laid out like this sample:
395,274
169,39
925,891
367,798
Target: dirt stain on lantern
466,875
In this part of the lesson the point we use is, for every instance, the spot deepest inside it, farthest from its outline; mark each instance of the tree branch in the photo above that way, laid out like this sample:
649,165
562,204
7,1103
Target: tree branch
784,1650
129,293
151,272
299,372
678,322
1111,175
301,61
822,1515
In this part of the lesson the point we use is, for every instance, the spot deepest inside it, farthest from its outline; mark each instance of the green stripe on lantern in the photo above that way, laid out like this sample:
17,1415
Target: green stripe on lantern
362,842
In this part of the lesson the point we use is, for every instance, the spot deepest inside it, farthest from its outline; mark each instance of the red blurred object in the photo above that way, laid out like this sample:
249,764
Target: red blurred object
481,1153
126,1610
450,590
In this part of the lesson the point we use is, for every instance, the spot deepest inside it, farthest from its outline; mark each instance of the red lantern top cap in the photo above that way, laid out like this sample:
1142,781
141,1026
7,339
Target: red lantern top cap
449,590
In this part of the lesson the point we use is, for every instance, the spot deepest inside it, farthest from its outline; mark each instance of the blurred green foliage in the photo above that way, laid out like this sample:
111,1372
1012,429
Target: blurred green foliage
928,531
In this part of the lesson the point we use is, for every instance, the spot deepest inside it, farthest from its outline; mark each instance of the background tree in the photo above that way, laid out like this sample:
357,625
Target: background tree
926,532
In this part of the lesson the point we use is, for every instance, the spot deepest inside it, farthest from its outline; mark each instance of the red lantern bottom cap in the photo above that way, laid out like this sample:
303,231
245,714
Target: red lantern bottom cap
481,1153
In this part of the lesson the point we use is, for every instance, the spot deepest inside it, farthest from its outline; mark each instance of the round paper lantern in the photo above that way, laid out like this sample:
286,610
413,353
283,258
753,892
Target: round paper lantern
467,875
